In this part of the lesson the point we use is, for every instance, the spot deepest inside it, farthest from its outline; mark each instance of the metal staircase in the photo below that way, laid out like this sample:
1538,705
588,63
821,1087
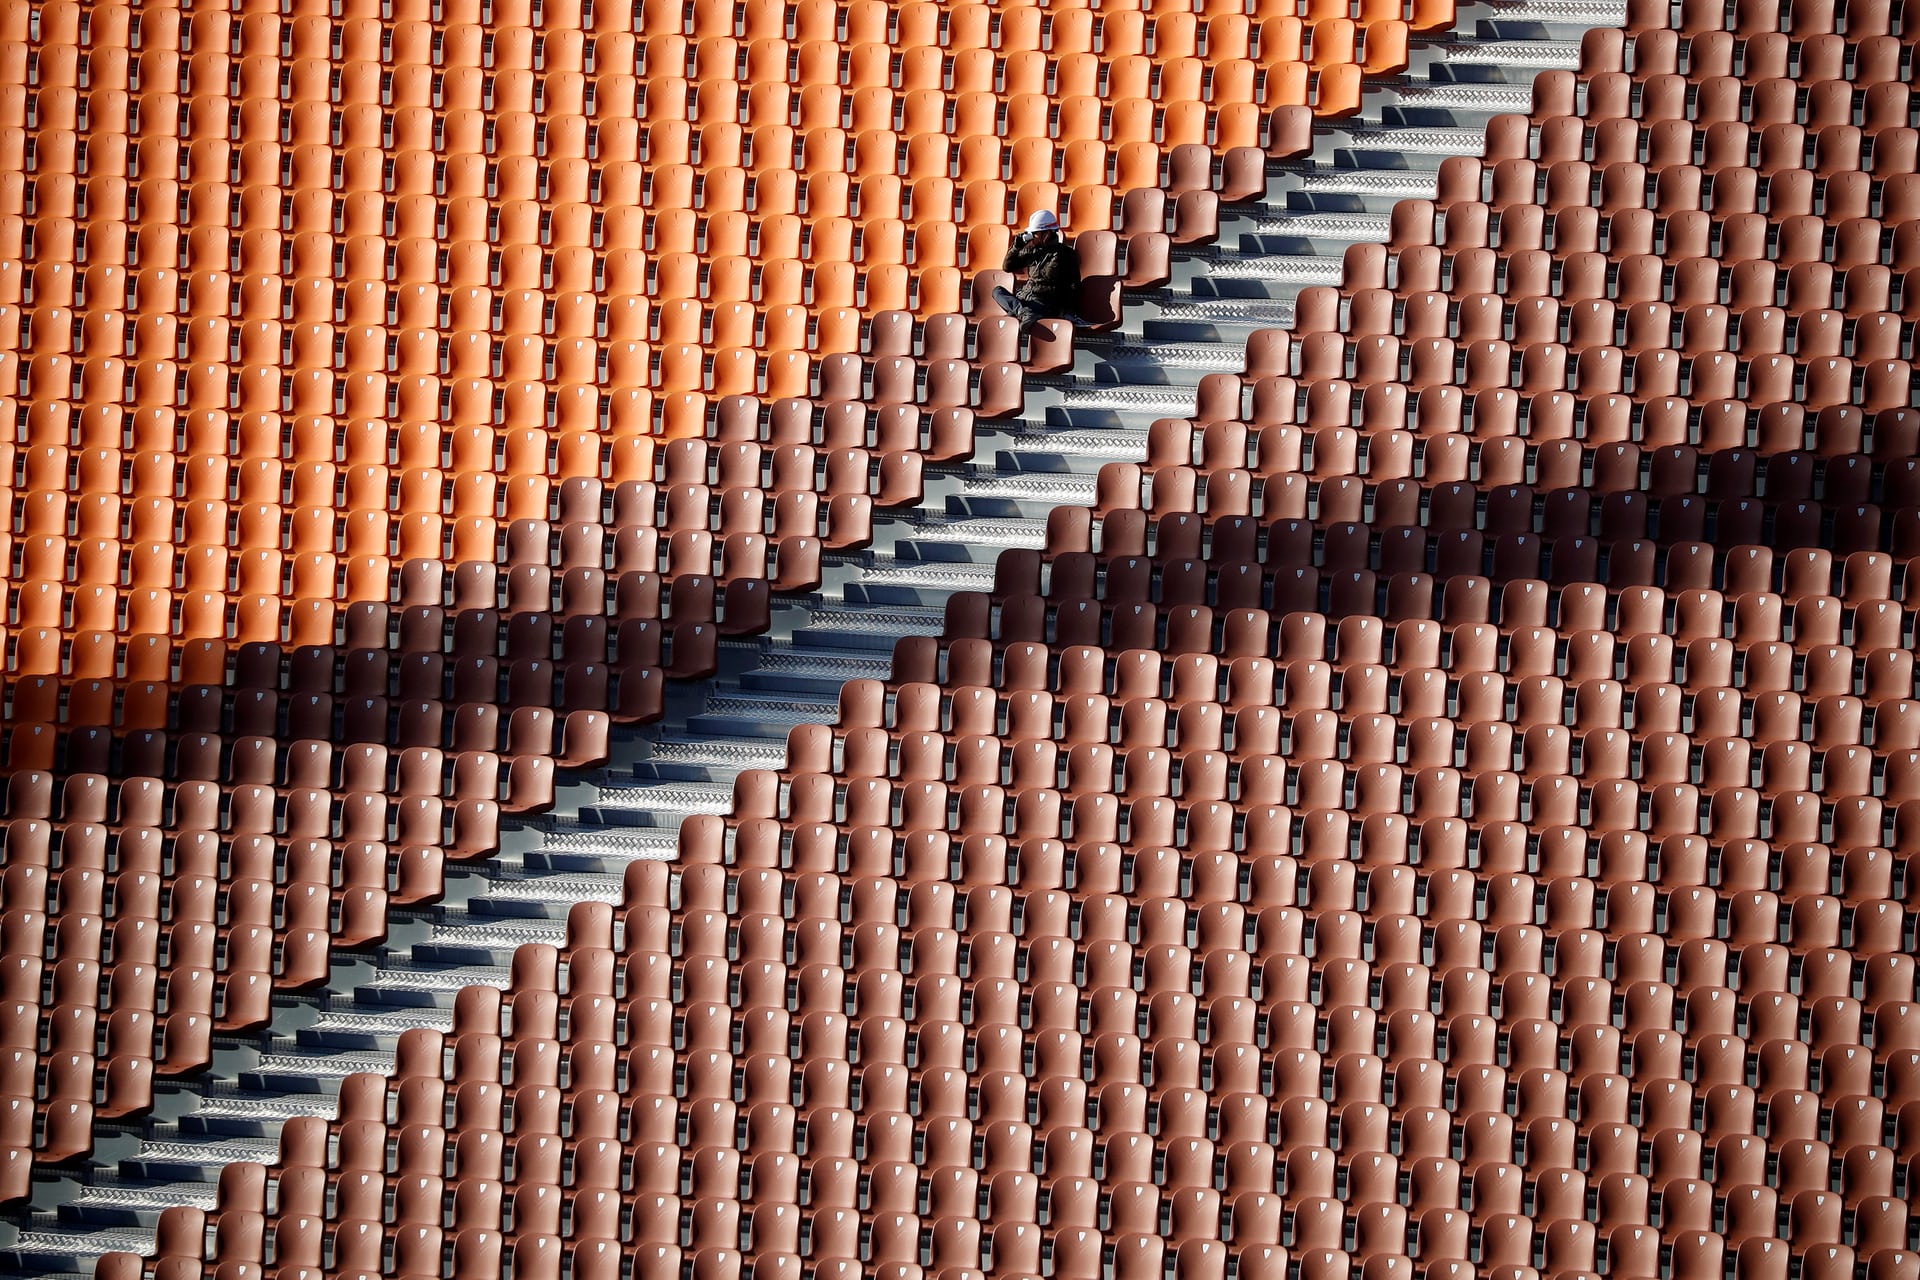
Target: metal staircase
632,808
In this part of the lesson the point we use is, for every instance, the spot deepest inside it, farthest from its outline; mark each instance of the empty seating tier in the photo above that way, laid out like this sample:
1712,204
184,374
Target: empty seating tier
402,393
1448,810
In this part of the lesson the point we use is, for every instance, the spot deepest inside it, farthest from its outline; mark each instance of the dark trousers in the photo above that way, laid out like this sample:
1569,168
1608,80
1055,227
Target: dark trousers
1027,313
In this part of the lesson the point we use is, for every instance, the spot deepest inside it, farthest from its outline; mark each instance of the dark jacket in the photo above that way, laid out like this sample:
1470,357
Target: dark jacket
1053,272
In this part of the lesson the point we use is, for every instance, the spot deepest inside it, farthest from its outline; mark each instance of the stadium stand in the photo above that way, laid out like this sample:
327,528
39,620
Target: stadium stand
401,393
1446,807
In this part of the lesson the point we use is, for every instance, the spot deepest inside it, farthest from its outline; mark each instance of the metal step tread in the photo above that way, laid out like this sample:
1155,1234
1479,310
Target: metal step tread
1004,533
1115,443
433,979
263,1110
842,666
230,1151
1039,488
961,575
1375,183
1253,313
496,935
82,1244
1540,55
110,1194
1144,398
784,710
1324,226
300,1066
1184,355
549,888
390,1022
686,797
610,842
1493,98
867,621
1419,140
1568,13
1304,268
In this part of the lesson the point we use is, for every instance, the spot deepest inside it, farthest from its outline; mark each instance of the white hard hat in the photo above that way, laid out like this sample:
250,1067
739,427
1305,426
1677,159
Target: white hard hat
1043,221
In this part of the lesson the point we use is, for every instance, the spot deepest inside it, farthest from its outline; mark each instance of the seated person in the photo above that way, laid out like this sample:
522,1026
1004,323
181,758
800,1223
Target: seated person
1051,268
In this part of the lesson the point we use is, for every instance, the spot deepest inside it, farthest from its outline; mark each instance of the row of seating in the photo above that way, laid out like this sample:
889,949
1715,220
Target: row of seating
1692,330
1819,631
1246,466
1535,366
1545,441
1750,20
1247,683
